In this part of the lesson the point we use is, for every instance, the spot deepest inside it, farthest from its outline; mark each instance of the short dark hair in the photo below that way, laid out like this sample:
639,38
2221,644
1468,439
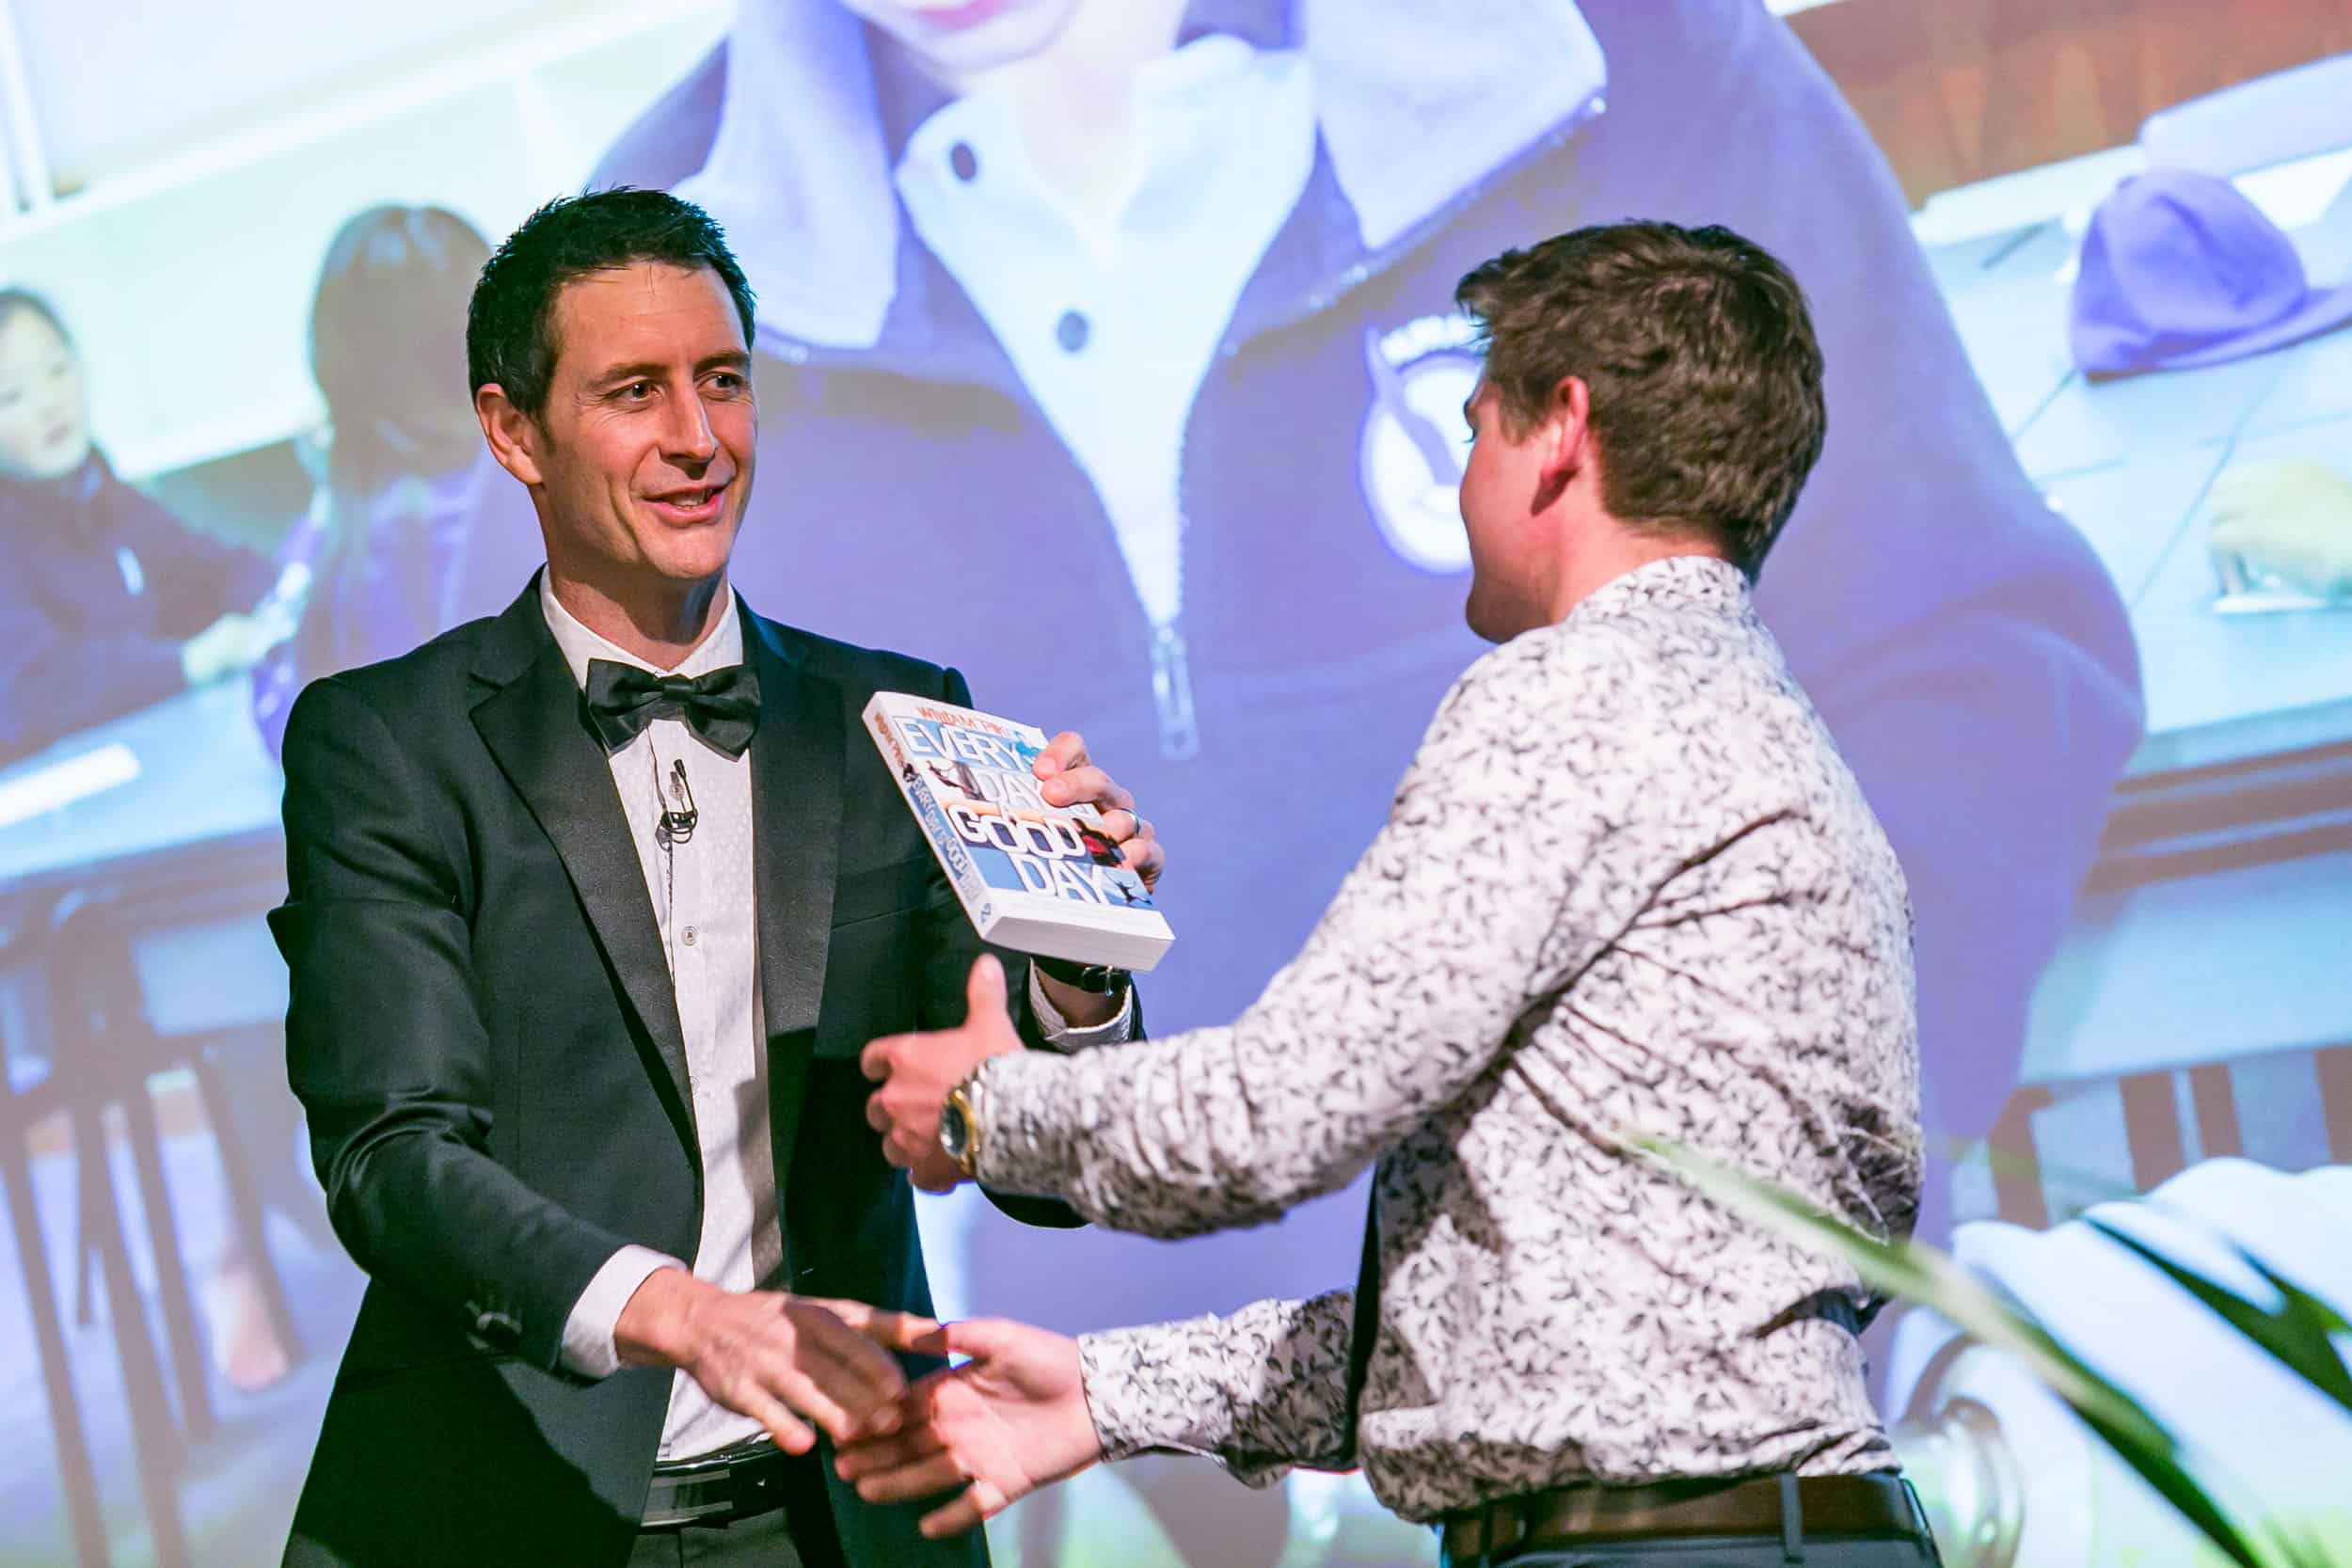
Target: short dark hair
510,326
1699,353
18,302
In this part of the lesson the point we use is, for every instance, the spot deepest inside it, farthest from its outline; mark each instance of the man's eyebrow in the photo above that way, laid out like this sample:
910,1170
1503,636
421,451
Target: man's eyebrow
653,369
643,370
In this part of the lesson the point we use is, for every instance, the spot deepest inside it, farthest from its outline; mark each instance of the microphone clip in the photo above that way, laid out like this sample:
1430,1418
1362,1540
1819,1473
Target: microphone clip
678,822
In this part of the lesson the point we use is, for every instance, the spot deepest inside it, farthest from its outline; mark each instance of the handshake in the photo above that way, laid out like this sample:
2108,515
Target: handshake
1009,1420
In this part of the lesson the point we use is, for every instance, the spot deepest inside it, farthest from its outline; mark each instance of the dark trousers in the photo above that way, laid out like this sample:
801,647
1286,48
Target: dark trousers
798,1535
765,1541
1729,1552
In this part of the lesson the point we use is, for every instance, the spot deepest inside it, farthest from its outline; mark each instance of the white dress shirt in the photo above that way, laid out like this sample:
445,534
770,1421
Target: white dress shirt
705,905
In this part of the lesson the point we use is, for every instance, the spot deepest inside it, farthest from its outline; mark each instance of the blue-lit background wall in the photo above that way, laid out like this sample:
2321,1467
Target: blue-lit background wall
2088,642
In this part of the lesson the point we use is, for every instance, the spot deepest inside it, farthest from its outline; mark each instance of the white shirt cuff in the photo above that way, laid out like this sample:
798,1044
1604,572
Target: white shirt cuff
1063,1036
588,1347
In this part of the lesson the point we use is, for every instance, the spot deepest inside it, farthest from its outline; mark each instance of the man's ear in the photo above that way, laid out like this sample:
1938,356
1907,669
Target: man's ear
1562,440
516,438
1568,422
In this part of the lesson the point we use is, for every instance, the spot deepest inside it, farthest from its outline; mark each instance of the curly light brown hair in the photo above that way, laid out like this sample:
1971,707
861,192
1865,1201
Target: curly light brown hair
1699,356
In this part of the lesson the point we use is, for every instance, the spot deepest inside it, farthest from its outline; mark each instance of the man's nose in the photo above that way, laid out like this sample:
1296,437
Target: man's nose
686,436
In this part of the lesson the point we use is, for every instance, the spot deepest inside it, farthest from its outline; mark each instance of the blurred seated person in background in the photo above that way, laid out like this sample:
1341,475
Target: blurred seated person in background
396,464
393,466
109,603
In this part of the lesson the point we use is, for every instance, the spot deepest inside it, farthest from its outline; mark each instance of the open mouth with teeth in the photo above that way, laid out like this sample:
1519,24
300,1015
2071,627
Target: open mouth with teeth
698,503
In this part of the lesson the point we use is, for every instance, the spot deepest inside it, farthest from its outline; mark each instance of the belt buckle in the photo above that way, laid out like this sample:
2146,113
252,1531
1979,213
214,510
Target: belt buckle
753,1487
719,1488
1494,1515
693,1495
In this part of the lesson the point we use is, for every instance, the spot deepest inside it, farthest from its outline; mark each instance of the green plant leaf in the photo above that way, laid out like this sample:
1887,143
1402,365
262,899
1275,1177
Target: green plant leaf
1922,1275
2294,1333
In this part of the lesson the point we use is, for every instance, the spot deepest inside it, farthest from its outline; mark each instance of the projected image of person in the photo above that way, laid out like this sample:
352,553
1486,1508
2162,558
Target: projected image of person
1143,312
400,450
110,602
396,462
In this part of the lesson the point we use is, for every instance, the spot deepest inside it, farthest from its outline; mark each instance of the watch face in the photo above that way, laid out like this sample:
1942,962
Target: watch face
954,1132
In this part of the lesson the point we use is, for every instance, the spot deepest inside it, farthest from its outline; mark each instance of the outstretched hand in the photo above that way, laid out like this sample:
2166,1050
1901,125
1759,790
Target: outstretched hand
1012,1420
915,1072
785,1360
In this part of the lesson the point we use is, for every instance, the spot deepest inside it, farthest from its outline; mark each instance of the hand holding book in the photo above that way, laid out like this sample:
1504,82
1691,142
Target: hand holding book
1068,777
1047,853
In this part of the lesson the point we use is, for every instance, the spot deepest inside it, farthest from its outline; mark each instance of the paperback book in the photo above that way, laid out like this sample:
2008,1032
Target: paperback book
1035,877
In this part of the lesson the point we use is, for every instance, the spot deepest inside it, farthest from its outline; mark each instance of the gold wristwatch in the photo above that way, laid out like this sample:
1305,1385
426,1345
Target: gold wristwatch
959,1126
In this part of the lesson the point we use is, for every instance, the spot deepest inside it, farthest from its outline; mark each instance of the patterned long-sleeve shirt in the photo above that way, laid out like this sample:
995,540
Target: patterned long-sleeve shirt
1627,887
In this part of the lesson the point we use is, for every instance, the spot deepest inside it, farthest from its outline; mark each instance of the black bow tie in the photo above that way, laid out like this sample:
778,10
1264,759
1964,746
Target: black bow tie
723,706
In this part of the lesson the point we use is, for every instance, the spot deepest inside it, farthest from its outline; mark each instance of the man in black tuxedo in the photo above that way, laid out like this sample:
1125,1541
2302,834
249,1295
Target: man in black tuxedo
591,907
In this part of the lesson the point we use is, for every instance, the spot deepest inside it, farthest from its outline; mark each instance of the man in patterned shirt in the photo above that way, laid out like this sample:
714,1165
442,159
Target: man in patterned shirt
1627,887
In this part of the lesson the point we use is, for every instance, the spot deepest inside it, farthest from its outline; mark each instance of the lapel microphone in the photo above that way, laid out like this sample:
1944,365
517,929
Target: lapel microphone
678,823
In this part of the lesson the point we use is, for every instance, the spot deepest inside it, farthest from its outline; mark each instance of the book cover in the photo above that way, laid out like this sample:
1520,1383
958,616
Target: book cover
1035,877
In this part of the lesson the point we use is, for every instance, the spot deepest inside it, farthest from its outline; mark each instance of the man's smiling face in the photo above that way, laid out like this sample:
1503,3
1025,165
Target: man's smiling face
650,429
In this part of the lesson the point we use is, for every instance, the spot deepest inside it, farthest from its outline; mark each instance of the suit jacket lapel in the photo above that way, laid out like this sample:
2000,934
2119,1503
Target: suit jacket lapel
795,837
533,725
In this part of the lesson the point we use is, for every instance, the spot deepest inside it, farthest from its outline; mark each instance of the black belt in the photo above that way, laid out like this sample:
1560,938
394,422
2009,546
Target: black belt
741,1483
1792,1507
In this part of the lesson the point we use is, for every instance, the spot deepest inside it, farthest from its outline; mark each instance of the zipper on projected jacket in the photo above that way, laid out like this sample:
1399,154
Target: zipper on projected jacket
1171,690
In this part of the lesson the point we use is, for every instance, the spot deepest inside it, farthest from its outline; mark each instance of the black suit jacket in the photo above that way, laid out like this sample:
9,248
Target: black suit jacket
482,1031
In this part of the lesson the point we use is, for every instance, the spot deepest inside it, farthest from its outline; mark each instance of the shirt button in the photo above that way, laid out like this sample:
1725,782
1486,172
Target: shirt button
1072,331
687,936
965,162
